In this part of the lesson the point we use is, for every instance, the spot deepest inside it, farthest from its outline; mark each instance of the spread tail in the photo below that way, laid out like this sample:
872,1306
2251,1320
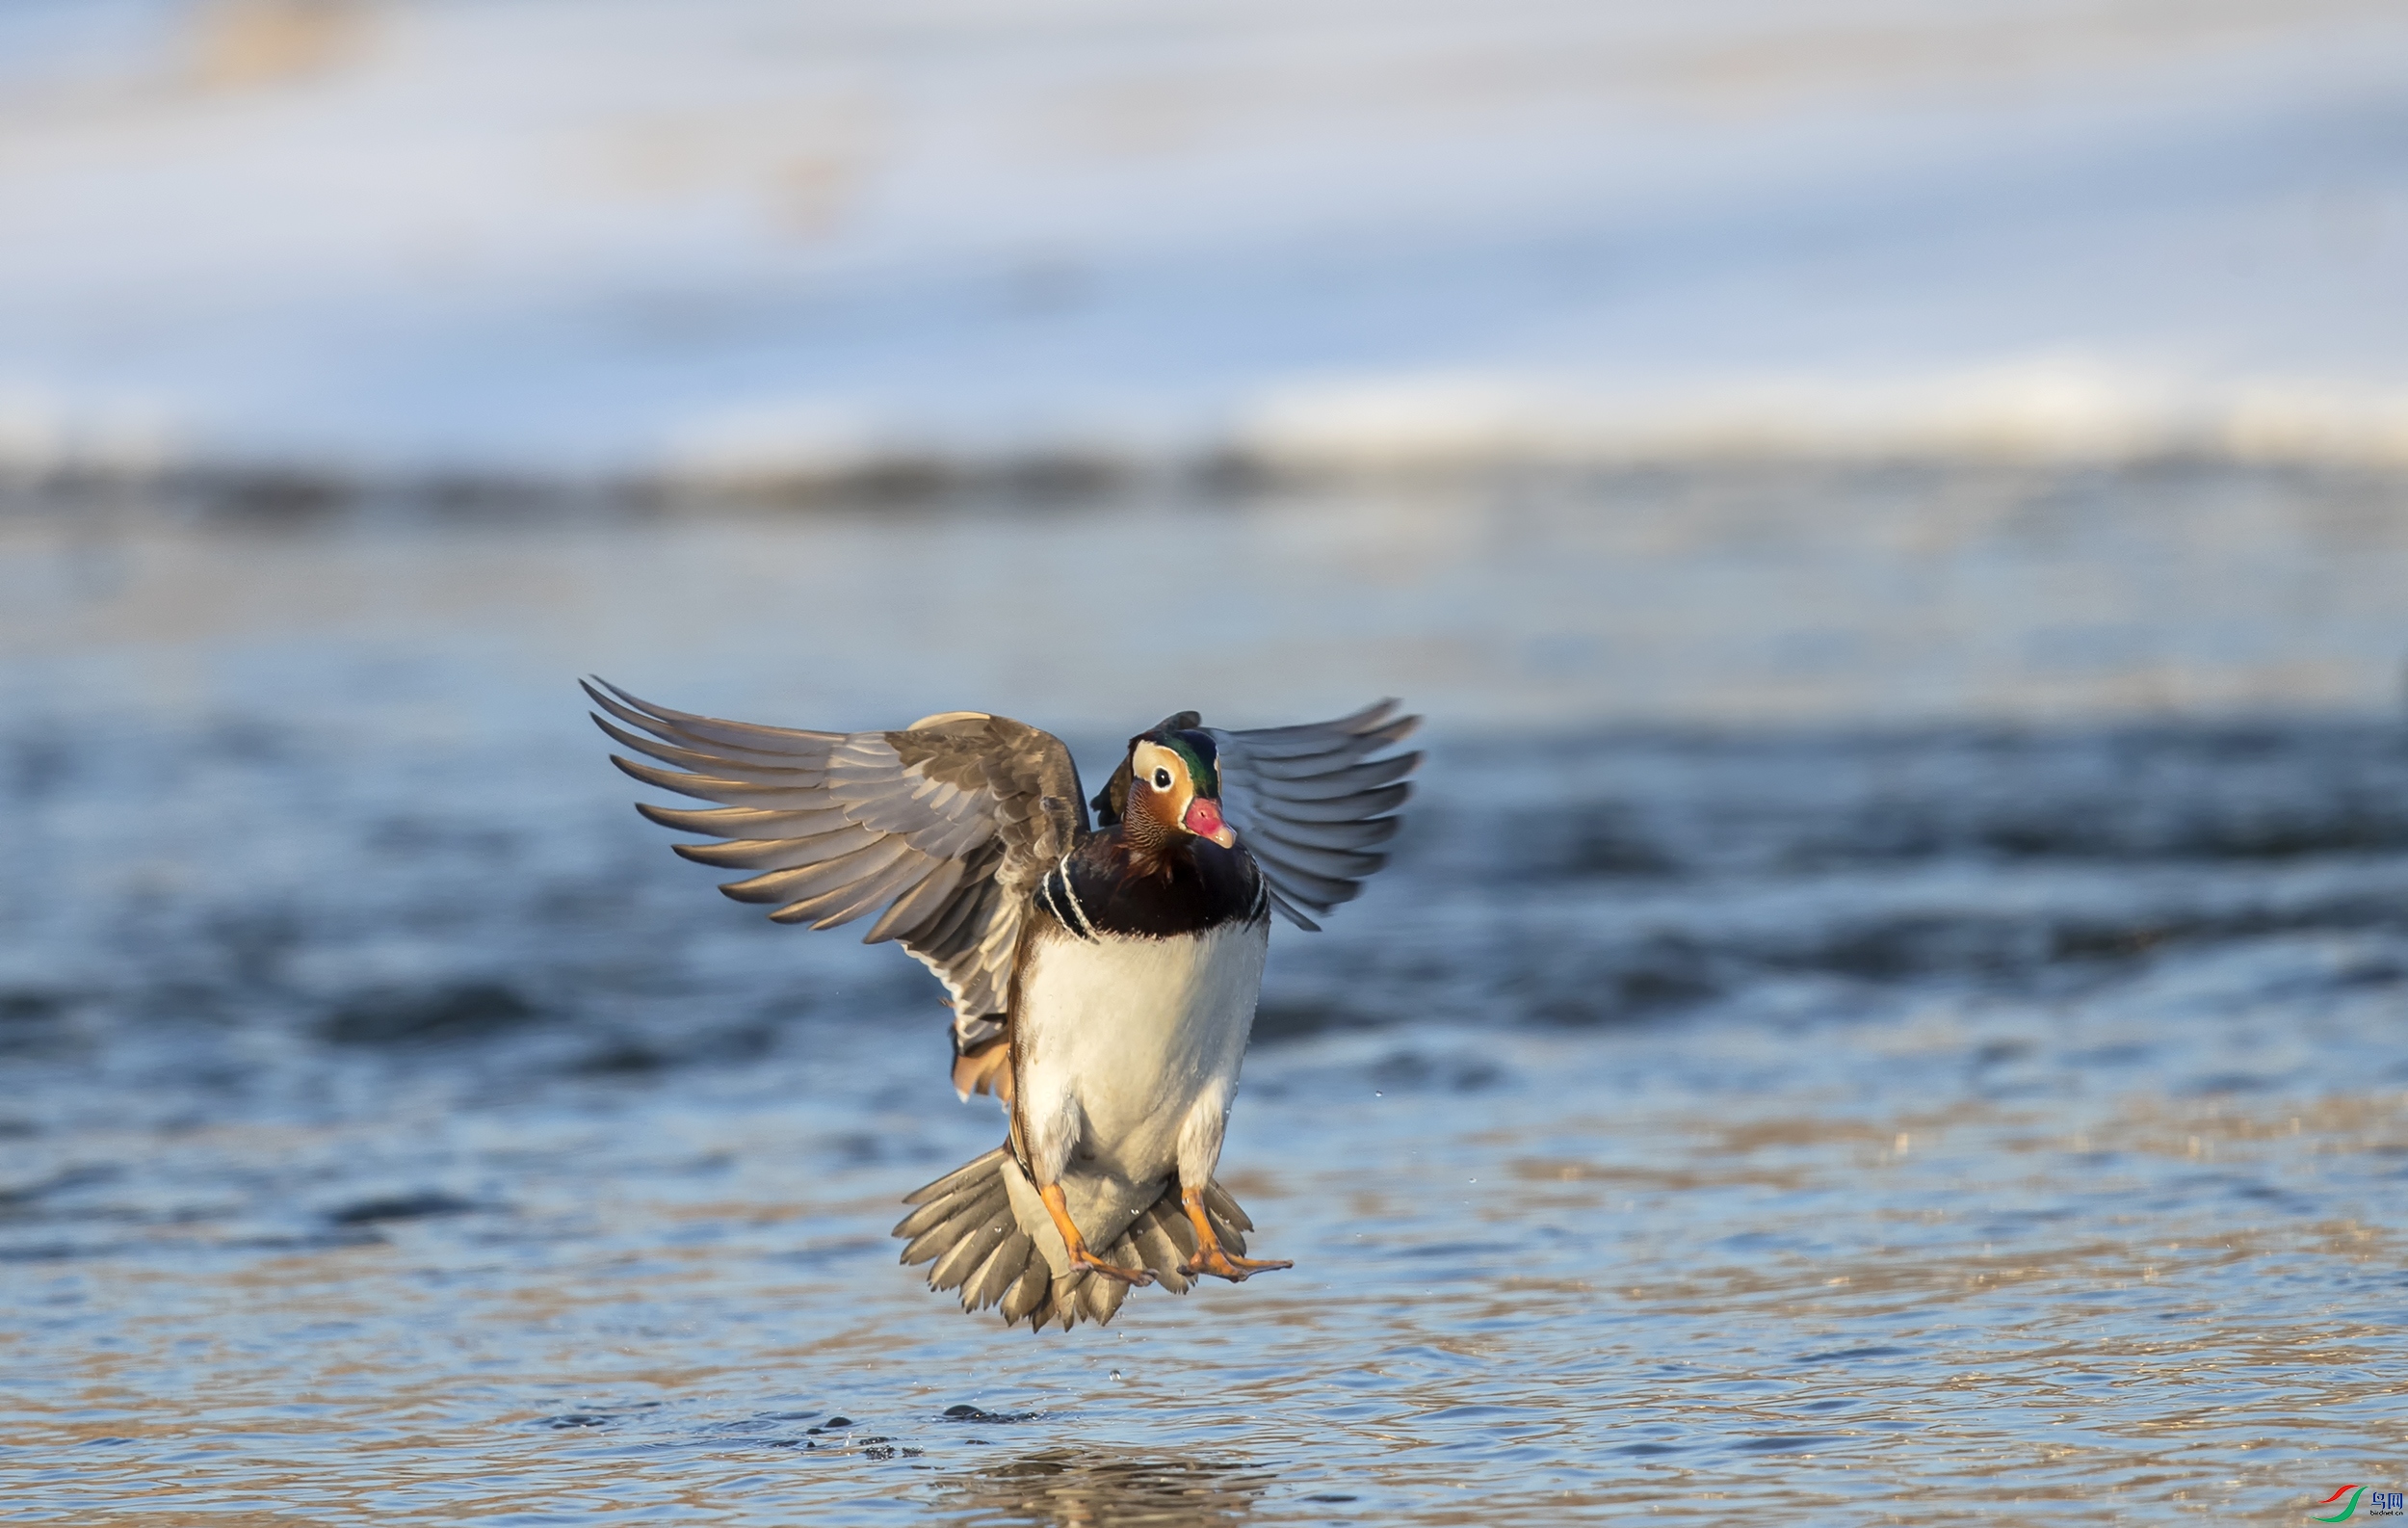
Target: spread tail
974,1231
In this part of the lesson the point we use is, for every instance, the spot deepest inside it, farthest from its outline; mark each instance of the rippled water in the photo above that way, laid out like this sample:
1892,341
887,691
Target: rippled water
1990,1113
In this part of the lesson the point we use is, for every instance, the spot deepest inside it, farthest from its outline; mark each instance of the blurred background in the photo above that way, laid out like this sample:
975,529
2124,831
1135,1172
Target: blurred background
1897,514
735,242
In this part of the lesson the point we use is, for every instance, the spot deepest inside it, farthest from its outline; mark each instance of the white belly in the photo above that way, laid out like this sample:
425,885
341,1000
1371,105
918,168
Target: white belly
1122,1041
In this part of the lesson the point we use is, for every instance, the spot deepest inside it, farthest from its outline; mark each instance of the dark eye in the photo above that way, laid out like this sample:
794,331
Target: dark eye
1161,779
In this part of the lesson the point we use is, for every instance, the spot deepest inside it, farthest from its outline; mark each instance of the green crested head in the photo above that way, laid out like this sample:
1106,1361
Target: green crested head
1195,747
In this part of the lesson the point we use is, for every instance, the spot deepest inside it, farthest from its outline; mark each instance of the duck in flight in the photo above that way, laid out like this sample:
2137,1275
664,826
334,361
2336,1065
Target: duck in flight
1103,976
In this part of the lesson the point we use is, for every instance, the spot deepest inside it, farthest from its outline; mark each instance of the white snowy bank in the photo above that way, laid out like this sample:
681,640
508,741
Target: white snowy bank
733,240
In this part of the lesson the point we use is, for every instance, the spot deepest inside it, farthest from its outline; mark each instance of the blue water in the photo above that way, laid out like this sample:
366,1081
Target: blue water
1995,1113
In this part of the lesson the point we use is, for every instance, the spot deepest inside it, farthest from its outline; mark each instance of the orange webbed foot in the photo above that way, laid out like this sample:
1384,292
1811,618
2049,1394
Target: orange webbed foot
1136,1277
1211,1257
1081,1259
1236,1270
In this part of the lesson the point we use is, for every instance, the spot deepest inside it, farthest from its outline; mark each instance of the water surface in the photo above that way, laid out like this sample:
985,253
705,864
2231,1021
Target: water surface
1948,1089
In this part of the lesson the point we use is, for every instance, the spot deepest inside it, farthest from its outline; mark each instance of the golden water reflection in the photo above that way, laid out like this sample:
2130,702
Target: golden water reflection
1064,1488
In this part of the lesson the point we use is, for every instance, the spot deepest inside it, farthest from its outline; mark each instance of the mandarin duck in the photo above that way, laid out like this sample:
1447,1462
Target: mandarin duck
1103,977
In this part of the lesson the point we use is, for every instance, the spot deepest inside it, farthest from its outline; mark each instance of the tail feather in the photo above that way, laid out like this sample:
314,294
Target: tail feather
967,1214
1155,1250
1224,1214
968,1255
1175,1229
1032,1289
966,1226
1062,1303
976,1170
998,1274
937,1211
1103,1296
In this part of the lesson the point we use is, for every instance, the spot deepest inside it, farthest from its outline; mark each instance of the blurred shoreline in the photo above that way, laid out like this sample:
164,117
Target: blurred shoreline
1750,595
270,492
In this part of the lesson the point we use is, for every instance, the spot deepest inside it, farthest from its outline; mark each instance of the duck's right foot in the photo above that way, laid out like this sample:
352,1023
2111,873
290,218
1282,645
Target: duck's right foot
1211,1257
1228,1265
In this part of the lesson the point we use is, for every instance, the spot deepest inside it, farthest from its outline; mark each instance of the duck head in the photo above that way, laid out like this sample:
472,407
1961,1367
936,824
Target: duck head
1174,787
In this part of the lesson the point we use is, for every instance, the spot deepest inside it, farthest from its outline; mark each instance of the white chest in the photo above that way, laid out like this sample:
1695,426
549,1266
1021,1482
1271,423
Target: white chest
1130,1033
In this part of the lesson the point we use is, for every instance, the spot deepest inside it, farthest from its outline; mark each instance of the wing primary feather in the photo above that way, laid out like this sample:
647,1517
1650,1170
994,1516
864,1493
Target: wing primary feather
669,739
1361,835
813,891
1287,909
1281,742
1323,785
1340,751
760,853
1345,864
673,746
784,772
733,793
745,822
1323,891
1369,804
835,863
861,897
773,740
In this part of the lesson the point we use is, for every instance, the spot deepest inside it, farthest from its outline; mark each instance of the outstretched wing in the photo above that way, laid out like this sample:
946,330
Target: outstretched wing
942,827
1311,802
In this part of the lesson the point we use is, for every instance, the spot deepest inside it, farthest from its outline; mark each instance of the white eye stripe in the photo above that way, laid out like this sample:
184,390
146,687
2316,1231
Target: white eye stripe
1152,768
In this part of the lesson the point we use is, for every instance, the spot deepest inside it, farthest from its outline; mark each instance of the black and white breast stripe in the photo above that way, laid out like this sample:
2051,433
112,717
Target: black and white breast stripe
1093,895
1062,900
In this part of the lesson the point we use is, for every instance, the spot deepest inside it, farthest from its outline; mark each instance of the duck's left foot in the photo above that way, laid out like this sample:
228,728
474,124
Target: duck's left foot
1236,1270
1210,1256
1083,1260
